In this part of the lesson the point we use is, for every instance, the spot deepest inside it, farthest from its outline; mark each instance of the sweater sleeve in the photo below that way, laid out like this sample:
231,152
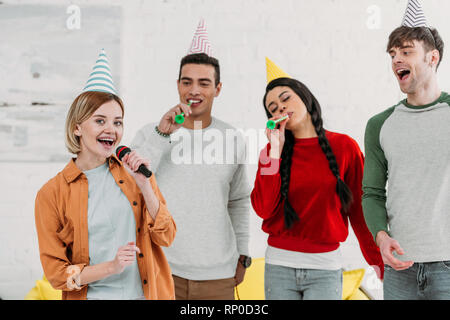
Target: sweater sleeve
266,196
375,176
353,178
239,202
238,208
52,237
151,145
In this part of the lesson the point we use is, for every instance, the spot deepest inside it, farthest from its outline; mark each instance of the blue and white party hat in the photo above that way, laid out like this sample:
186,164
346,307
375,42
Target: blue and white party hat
100,79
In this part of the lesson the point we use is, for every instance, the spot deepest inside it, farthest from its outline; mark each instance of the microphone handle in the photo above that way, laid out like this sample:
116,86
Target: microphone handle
143,169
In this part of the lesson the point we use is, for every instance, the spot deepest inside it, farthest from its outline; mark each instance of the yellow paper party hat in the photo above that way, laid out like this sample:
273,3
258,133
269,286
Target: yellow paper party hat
274,72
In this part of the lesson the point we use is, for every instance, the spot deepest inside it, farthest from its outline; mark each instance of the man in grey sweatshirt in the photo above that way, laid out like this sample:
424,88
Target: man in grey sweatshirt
408,147
200,169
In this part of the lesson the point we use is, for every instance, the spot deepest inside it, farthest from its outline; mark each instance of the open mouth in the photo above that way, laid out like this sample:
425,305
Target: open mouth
290,114
106,142
195,102
403,74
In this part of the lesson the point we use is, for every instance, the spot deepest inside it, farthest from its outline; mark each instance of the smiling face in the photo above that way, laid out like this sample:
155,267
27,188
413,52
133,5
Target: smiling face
283,100
412,65
101,132
197,85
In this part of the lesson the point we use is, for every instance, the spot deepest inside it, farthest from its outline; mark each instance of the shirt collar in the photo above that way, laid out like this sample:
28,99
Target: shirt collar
438,100
71,172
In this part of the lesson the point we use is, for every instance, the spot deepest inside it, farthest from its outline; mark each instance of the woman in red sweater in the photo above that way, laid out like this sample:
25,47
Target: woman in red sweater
307,187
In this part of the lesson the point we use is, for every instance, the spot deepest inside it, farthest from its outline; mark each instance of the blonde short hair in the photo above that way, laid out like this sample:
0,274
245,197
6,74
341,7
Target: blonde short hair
82,108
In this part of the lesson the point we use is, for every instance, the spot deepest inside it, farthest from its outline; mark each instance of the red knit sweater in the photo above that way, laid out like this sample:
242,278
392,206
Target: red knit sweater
312,194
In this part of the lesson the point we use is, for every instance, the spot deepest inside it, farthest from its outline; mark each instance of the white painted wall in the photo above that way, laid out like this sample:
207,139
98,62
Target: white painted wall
336,47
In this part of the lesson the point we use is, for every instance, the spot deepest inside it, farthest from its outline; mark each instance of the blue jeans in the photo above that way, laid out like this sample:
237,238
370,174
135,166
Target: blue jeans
284,283
423,281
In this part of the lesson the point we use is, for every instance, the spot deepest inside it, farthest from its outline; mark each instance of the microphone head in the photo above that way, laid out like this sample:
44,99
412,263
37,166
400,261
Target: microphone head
121,151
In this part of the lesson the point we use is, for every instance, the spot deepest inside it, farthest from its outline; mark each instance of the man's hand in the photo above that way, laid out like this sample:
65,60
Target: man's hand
387,246
240,273
167,124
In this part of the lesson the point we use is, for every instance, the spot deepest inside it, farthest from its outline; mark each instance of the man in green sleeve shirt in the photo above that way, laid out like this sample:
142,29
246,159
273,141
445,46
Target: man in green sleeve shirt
406,185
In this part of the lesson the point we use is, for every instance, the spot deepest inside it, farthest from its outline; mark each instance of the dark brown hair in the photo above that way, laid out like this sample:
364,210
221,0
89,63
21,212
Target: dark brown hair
202,58
430,38
314,109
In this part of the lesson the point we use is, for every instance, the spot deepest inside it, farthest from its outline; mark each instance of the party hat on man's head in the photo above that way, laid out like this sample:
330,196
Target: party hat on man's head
200,42
274,72
100,78
414,16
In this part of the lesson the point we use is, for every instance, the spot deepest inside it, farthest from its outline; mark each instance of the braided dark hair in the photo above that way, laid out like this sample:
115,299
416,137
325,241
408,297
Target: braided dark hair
314,109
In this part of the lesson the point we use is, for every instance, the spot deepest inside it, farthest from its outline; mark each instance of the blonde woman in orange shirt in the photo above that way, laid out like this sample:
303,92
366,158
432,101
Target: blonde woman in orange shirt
100,224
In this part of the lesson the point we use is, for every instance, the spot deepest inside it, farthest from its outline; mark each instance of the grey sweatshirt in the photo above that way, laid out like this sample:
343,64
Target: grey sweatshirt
408,148
202,175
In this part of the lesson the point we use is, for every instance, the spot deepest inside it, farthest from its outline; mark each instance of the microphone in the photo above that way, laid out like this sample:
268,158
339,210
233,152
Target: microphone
121,151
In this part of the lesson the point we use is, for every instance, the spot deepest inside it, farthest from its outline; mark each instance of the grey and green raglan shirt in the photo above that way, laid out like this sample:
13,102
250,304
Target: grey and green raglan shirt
406,184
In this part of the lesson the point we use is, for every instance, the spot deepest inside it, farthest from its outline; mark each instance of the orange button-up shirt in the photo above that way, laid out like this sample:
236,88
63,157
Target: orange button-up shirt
62,228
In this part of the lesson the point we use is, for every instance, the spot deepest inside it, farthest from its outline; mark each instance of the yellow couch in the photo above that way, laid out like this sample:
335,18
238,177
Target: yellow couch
43,291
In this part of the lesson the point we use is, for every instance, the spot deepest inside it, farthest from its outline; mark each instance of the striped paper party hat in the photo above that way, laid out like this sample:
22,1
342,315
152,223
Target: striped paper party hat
200,42
274,72
100,79
414,16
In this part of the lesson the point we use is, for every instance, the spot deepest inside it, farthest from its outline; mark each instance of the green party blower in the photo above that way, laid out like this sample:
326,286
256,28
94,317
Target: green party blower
272,124
180,118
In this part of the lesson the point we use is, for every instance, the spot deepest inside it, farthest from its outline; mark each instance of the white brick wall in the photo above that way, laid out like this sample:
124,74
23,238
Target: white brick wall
20,266
325,44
